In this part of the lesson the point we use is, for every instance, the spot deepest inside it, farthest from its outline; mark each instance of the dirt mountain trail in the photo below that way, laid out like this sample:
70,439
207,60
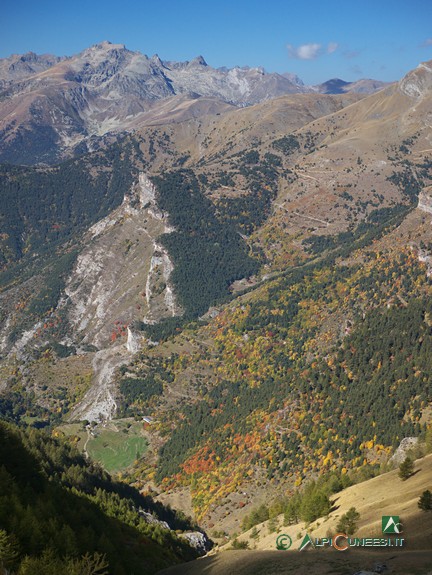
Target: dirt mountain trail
86,455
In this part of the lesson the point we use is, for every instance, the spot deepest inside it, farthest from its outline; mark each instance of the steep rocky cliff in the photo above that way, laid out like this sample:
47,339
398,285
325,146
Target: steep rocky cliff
121,277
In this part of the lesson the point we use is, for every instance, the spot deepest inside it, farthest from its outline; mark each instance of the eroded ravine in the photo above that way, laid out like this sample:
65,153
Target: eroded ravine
121,276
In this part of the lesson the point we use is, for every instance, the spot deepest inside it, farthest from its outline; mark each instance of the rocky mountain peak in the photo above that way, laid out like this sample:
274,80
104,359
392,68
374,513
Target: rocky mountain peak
20,66
333,86
338,86
108,46
417,83
28,57
293,78
156,60
198,61
103,52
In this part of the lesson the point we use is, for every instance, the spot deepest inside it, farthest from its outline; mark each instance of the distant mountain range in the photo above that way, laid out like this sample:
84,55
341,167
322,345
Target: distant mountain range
52,107
253,280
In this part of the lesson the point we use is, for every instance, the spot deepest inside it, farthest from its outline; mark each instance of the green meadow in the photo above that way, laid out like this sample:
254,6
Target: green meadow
115,445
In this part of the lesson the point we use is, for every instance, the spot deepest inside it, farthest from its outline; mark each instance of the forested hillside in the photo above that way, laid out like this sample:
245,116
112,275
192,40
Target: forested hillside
43,207
61,514
325,369
208,254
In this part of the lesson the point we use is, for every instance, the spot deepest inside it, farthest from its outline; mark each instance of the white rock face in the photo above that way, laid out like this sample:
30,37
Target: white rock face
149,518
425,201
134,341
5,330
121,271
198,540
121,275
161,302
405,445
19,346
417,83
99,402
147,190
113,276
426,258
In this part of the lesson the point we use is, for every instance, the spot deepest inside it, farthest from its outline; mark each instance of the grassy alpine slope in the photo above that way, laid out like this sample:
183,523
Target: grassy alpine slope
386,494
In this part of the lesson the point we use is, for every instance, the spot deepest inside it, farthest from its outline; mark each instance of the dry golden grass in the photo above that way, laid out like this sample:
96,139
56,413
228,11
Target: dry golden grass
386,494
383,495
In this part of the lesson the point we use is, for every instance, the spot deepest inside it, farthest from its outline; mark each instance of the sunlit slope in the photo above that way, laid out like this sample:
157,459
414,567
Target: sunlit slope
386,494
383,495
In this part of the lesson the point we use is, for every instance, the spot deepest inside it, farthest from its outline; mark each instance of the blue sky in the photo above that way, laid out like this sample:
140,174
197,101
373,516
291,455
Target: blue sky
317,40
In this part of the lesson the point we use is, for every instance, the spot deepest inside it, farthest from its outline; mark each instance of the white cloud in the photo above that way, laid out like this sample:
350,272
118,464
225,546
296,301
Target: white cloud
427,42
311,51
305,51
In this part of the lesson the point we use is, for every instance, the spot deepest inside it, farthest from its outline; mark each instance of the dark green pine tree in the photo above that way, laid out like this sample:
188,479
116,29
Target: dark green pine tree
348,522
425,501
8,550
406,468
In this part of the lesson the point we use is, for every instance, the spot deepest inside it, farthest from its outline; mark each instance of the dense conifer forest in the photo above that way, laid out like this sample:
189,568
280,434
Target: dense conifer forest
44,207
62,514
208,254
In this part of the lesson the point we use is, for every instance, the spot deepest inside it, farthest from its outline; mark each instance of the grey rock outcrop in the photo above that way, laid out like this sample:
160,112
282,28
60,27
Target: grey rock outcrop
418,83
198,540
401,452
133,343
425,200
